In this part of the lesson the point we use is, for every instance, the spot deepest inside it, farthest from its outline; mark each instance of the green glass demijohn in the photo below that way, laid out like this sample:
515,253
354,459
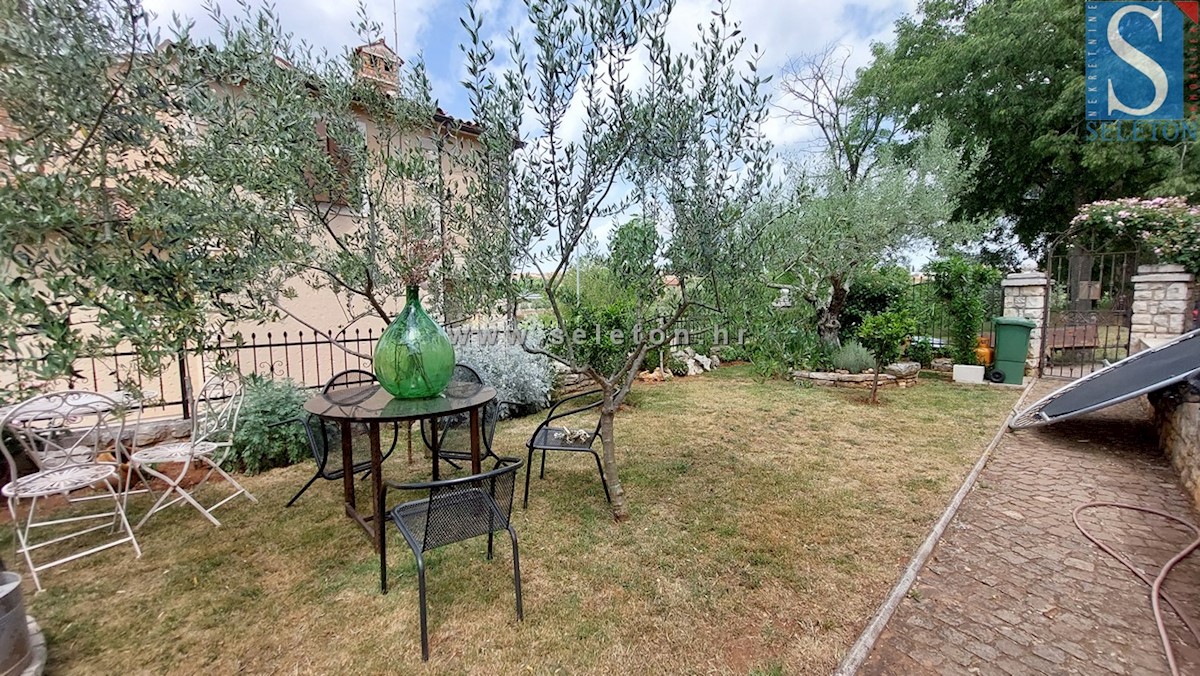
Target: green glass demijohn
414,358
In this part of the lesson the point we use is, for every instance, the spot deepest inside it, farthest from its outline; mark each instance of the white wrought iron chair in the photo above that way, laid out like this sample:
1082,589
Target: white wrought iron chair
214,420
64,433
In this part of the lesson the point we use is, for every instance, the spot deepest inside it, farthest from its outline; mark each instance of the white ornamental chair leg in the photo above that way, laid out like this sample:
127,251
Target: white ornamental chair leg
119,508
173,486
23,537
239,489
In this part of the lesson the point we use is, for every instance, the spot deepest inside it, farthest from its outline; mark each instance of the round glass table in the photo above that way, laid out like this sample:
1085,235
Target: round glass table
374,406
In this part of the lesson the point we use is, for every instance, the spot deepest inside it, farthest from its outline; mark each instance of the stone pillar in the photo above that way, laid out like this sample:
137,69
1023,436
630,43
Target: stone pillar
1025,297
1163,296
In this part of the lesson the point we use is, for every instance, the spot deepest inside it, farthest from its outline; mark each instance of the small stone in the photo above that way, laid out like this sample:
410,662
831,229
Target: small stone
181,429
943,364
904,369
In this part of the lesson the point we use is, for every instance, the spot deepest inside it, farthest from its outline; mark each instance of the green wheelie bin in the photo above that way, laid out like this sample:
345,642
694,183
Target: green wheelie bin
1012,346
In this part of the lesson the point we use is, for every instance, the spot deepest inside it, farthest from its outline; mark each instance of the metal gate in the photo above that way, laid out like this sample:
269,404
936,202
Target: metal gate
1089,303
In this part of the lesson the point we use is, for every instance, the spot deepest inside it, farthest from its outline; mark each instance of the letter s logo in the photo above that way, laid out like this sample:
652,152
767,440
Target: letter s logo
1138,59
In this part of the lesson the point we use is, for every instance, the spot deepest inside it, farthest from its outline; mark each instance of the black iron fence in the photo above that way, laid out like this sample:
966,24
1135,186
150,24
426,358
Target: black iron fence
307,358
108,372
935,323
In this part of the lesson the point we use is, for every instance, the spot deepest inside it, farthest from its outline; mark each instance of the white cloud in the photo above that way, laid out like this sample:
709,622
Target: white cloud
322,23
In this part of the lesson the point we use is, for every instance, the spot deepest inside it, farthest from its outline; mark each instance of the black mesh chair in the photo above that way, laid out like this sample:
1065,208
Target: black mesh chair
556,433
454,432
456,510
325,436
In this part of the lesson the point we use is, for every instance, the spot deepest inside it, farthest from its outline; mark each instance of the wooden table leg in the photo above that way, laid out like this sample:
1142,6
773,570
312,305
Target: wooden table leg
377,498
437,445
476,463
347,463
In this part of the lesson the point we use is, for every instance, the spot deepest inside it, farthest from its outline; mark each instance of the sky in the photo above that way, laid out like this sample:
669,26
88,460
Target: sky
783,29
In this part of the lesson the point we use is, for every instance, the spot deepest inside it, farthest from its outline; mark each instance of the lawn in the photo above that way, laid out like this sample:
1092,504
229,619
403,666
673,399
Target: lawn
768,522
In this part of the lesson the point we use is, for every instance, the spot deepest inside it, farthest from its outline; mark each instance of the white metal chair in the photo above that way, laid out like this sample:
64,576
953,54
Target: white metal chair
214,419
64,433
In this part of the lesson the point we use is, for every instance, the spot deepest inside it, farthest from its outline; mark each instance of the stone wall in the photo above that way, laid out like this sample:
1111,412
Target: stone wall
1177,414
1163,296
900,375
1025,297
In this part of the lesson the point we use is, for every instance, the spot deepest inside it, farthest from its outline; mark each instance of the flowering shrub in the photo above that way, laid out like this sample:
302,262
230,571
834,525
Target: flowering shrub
1168,227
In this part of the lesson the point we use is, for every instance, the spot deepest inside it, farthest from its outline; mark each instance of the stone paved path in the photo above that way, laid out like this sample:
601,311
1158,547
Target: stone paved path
1014,588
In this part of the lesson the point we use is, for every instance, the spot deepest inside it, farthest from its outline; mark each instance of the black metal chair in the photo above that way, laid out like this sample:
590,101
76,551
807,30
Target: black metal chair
548,437
325,436
456,510
454,432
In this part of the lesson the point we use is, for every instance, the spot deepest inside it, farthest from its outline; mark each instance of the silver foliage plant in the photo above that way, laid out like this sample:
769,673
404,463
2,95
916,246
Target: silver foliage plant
523,379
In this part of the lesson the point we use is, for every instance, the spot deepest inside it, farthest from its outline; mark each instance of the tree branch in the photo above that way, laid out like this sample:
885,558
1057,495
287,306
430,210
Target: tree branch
341,346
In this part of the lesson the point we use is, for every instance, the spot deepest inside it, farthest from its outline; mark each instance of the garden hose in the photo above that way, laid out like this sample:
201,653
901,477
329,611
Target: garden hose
1156,591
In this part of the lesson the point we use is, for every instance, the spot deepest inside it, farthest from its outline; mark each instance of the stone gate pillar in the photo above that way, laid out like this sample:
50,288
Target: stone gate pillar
1025,297
1163,296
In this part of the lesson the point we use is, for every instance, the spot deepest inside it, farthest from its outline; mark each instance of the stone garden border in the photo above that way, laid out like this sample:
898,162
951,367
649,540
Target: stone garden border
900,375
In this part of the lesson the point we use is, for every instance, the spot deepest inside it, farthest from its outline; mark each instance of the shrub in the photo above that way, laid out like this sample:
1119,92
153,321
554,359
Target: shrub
961,283
873,291
258,447
883,335
676,366
522,380
920,351
852,357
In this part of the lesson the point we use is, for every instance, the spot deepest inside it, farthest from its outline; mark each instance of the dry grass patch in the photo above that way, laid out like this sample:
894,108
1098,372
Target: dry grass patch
768,522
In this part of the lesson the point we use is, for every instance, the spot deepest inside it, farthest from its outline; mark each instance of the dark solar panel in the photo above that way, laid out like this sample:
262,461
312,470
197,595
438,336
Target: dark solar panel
1138,374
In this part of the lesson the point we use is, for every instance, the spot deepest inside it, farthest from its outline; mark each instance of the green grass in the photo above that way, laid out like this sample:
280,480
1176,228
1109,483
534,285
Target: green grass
767,523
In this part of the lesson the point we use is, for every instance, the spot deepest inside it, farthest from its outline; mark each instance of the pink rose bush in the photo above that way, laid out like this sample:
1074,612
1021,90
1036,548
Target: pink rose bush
1168,227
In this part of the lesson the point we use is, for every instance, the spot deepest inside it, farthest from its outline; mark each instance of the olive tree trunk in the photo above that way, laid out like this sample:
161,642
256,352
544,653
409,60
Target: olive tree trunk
829,318
608,457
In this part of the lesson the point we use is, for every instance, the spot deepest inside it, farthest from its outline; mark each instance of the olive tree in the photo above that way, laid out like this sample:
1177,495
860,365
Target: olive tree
113,230
371,183
827,226
680,145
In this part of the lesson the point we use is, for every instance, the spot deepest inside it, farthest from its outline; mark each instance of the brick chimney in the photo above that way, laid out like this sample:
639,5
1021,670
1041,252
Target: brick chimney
377,63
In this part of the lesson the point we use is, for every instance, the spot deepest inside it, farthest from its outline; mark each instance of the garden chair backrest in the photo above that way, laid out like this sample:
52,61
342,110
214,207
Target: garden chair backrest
325,436
216,408
59,429
454,430
470,506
